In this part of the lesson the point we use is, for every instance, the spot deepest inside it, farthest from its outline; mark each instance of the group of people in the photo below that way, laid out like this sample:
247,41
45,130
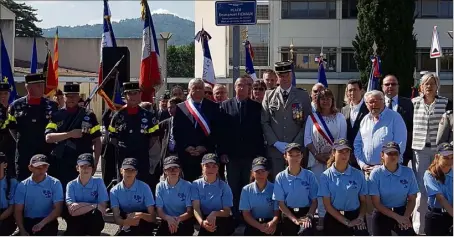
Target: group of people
275,158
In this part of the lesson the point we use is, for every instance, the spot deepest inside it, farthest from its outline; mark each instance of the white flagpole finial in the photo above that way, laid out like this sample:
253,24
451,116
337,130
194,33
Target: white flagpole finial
374,47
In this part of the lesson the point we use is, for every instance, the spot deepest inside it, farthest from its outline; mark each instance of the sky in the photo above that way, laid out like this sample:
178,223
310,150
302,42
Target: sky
73,13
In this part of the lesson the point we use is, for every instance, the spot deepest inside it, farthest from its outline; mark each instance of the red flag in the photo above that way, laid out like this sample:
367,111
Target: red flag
49,74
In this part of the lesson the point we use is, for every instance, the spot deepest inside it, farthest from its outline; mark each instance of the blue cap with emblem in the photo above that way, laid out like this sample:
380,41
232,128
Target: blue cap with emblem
390,147
4,86
171,161
444,149
292,146
38,160
341,144
260,163
209,158
130,163
34,78
86,159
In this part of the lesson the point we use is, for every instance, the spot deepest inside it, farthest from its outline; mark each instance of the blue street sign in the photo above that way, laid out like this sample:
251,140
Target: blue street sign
236,13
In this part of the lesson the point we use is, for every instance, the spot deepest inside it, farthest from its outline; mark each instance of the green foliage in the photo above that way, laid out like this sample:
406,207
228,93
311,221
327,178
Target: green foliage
180,60
25,18
181,29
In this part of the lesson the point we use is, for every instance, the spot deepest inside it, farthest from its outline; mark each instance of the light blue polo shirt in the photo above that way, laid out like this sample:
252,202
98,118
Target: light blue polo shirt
134,199
212,197
343,189
393,188
38,198
174,200
435,187
94,191
4,201
259,203
296,191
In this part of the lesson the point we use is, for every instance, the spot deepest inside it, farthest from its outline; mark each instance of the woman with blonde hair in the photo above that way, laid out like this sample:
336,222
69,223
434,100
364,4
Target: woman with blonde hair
438,183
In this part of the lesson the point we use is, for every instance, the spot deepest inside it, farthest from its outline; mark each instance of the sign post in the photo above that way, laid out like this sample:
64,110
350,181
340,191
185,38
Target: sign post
435,50
236,13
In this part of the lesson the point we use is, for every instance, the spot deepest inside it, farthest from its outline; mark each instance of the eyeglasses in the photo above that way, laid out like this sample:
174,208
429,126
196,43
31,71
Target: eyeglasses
259,89
208,93
390,84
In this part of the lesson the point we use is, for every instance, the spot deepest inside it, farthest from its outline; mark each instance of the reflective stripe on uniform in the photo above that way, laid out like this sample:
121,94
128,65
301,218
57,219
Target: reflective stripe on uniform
153,129
11,118
5,124
95,129
51,126
112,129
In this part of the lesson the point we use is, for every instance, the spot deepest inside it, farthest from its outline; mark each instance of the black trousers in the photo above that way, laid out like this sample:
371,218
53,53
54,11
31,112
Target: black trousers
438,223
144,228
192,169
108,167
224,226
238,176
252,231
290,229
383,225
8,225
335,228
50,229
185,228
91,223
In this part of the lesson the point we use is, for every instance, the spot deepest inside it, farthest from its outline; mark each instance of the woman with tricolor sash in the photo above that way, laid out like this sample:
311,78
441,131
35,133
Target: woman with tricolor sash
323,127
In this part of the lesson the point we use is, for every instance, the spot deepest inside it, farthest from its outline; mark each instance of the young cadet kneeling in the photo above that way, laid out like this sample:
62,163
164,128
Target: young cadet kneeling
260,211
296,189
7,190
173,201
132,202
86,198
343,189
212,200
38,200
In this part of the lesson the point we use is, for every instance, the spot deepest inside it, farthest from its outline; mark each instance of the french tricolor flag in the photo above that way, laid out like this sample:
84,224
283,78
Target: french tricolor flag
250,60
208,69
150,72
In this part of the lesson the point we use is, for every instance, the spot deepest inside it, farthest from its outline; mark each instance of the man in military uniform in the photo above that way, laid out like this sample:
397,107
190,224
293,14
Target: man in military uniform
74,133
28,117
134,130
445,128
7,143
162,112
284,114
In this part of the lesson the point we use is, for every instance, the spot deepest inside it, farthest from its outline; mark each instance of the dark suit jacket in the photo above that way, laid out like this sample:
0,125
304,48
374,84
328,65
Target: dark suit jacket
187,134
165,127
241,138
352,131
405,109
163,114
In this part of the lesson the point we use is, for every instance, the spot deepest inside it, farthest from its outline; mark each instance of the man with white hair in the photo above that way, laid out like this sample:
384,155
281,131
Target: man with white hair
195,129
315,89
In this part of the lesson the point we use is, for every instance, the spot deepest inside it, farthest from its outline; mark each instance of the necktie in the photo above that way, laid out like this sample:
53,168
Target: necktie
390,104
171,140
285,96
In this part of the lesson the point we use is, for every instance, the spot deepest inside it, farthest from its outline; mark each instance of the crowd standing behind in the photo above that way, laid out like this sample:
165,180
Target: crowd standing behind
275,158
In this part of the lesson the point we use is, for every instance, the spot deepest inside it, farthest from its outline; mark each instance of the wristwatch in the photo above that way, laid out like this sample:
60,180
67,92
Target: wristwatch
310,216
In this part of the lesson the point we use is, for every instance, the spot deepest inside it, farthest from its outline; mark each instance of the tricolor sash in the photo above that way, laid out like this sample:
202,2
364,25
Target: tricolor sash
317,119
198,117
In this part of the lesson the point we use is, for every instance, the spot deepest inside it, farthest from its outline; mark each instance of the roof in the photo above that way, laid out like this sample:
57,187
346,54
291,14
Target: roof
23,67
6,14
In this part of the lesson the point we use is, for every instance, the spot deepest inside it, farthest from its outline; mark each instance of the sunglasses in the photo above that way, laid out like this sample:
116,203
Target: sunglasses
208,93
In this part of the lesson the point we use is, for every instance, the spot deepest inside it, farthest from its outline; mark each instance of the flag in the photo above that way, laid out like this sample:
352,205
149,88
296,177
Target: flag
249,60
375,74
34,60
56,55
7,71
108,40
293,74
415,90
208,68
321,76
150,71
49,75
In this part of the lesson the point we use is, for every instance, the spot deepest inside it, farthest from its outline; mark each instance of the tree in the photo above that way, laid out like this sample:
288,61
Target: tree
390,24
180,60
26,17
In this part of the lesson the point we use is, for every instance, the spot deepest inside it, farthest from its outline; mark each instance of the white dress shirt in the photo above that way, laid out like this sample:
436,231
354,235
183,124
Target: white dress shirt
395,102
354,111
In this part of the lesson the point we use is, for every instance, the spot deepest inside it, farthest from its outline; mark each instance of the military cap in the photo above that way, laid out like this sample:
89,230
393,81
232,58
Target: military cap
282,67
130,163
260,163
340,144
130,86
165,96
2,157
171,161
444,149
4,86
86,159
292,146
58,92
71,89
389,147
34,78
38,160
209,158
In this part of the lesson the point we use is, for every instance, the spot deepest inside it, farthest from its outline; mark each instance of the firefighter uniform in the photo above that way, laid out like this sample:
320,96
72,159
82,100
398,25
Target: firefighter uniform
65,154
131,129
28,117
7,143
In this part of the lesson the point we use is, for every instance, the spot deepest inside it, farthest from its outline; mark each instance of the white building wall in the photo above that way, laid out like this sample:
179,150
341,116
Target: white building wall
8,28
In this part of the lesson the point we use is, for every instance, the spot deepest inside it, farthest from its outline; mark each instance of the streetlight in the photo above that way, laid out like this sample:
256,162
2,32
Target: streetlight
166,37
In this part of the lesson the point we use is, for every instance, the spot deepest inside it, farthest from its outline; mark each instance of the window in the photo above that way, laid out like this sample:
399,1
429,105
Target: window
349,9
308,9
348,62
433,8
425,63
305,58
263,12
259,38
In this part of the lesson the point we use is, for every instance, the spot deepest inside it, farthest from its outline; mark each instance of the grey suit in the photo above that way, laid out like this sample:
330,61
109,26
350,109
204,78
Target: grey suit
280,123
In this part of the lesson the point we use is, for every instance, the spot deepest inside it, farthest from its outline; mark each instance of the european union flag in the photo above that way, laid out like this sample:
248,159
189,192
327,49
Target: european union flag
7,71
321,77
34,60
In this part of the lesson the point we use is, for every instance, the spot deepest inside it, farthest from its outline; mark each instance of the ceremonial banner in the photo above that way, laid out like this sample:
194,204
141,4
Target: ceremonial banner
249,60
375,74
56,55
7,71
34,59
208,68
321,76
49,75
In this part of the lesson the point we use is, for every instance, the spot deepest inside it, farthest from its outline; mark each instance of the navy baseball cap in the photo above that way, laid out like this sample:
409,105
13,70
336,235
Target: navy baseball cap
259,163
340,144
209,158
390,147
130,163
292,146
171,161
2,157
444,149
86,159
38,160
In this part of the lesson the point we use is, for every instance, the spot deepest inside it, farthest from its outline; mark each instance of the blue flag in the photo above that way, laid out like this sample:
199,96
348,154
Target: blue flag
249,60
321,77
7,71
293,75
375,74
34,60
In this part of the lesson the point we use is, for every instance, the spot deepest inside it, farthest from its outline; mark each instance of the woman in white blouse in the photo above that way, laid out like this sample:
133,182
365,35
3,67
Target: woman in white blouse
323,127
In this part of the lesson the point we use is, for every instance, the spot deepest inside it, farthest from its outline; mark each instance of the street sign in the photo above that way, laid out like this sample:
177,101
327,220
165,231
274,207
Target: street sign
236,13
435,49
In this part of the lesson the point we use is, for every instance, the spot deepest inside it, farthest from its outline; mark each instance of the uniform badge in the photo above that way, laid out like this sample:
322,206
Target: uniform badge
86,118
154,121
144,120
142,131
297,112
